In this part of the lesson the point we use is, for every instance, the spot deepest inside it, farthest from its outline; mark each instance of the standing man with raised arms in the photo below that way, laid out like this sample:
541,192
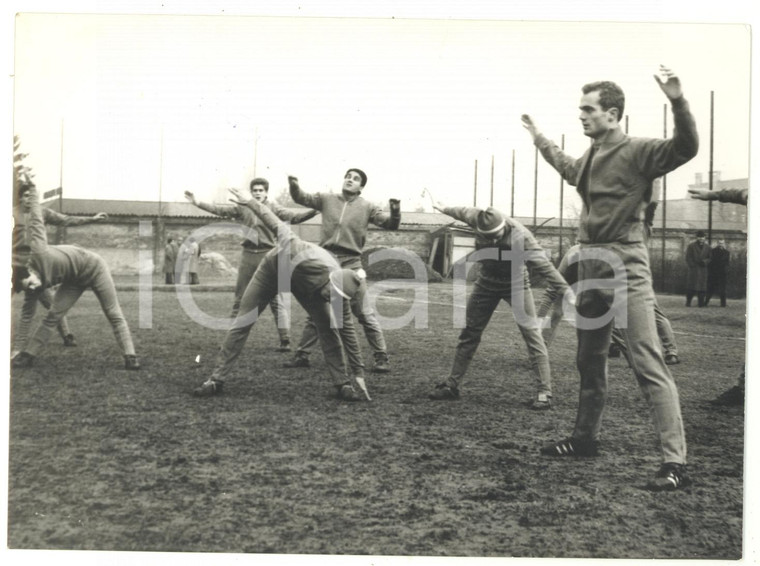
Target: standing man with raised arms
345,219
614,180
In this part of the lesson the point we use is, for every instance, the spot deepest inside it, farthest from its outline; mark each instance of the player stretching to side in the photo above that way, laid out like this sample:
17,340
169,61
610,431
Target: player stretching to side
45,298
614,180
502,241
75,270
258,241
317,282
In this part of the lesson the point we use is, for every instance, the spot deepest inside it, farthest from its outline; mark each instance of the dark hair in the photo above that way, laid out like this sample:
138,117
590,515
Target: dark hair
610,95
361,173
20,272
700,234
24,188
259,181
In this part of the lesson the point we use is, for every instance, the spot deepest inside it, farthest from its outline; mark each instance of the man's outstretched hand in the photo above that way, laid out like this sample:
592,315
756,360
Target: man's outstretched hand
669,83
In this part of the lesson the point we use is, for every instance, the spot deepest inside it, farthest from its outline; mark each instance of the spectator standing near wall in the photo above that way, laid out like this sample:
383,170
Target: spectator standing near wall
717,273
697,259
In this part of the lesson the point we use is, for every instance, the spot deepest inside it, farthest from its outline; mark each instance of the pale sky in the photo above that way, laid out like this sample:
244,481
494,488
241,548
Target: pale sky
152,105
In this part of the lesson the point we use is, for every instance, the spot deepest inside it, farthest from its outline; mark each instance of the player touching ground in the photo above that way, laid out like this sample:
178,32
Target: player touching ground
317,281
74,270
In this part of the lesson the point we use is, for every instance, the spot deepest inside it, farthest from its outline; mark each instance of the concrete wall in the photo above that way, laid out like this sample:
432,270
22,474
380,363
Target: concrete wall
119,241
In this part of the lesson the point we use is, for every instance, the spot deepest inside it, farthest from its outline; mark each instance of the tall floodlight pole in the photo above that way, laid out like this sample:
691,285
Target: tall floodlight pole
160,168
664,203
60,175
712,137
475,189
561,202
492,180
255,149
512,200
535,190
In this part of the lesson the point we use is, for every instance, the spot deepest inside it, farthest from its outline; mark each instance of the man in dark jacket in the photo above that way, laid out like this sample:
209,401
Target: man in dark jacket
718,272
697,260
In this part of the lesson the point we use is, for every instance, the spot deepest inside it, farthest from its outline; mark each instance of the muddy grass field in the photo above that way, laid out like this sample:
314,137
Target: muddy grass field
105,459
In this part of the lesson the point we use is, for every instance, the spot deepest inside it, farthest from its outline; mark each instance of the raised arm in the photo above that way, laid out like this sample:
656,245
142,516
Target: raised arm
736,196
385,220
268,218
301,197
223,210
565,165
290,216
36,235
50,216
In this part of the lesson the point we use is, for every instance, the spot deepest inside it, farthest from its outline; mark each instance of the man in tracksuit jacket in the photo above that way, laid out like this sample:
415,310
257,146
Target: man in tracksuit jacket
614,180
74,270
345,218
29,308
258,241
321,287
501,242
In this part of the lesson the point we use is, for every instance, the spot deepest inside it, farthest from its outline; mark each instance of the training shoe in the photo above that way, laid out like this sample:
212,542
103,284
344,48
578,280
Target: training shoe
672,359
571,447
444,392
542,402
297,362
284,346
23,360
381,365
669,477
69,341
614,351
729,398
346,392
131,362
209,388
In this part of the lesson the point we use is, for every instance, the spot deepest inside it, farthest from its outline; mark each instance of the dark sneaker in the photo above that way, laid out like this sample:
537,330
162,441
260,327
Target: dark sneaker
614,351
209,388
23,360
444,392
284,346
542,403
571,447
297,362
729,398
131,362
346,392
381,365
672,359
669,477
69,341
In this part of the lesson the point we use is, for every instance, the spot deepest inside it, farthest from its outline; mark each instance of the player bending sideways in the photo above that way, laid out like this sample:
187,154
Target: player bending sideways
75,269
320,286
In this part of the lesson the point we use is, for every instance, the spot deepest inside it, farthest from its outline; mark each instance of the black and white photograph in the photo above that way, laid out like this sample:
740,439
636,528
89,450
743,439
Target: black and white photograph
322,283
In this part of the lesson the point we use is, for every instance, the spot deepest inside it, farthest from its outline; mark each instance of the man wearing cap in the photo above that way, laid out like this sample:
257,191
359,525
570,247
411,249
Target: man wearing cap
345,219
50,217
258,241
614,179
697,259
504,247
321,287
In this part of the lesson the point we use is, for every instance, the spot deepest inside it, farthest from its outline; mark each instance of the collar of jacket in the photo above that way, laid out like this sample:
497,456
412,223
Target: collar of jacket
610,138
348,197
